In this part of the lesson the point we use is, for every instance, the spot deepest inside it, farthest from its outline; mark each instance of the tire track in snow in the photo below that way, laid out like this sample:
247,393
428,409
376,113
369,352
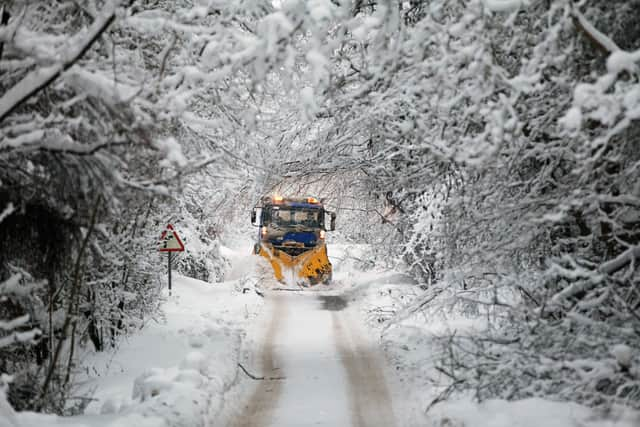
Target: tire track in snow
332,374
370,401
259,408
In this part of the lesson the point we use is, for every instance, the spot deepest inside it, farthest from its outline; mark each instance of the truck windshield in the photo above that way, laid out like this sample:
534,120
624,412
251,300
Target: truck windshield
286,217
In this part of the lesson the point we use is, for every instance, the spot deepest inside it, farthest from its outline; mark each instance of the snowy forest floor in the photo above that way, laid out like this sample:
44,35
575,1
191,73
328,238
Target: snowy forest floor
385,301
182,368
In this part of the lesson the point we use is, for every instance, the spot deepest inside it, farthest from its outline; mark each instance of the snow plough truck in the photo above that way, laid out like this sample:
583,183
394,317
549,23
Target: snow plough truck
291,237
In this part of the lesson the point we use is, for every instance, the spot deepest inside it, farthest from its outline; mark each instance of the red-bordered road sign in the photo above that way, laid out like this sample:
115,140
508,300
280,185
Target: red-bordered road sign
170,241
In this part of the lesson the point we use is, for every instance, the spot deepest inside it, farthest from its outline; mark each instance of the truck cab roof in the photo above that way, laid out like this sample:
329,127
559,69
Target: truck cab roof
298,202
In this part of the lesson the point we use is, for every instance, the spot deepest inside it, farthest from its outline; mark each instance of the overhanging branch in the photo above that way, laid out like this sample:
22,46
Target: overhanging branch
39,79
600,40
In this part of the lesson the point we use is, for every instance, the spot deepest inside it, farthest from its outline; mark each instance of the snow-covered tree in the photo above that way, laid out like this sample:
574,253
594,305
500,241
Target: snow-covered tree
504,135
107,108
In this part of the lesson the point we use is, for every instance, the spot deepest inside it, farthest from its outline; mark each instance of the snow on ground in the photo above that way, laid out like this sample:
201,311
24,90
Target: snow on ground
329,373
533,412
176,369
381,295
376,295
180,369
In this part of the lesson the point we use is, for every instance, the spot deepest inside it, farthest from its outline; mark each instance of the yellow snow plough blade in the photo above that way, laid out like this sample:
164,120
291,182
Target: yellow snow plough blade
311,266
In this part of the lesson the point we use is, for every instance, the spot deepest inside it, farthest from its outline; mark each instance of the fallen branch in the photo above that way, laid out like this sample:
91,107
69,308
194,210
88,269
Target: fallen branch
257,378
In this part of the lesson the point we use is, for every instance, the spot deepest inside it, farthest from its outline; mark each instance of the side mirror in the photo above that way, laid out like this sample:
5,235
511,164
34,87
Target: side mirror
333,221
254,217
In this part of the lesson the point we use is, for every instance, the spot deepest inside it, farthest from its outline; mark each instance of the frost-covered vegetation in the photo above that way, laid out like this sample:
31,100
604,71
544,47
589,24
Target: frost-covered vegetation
505,139
501,142
108,131
493,145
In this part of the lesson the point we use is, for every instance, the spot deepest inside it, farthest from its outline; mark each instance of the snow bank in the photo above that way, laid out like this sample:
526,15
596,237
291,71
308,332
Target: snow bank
524,413
387,301
174,371
30,419
7,414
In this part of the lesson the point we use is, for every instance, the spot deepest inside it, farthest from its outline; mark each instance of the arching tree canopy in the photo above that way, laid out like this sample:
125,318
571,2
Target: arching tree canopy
491,145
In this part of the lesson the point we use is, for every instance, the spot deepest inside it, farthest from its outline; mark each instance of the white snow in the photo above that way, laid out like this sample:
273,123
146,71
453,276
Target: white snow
631,102
525,83
272,28
315,392
7,414
364,28
17,337
36,78
623,355
533,412
621,60
505,5
14,323
180,368
408,344
318,64
320,10
171,150
175,370
458,29
309,105
100,86
572,120
8,210
600,37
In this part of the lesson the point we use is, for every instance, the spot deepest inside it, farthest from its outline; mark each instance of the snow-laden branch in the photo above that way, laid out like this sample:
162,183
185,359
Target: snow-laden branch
8,327
19,337
625,258
38,79
506,5
53,140
8,210
11,284
589,279
601,40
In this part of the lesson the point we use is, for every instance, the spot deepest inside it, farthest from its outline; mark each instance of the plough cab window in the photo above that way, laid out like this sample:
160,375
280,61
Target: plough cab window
284,217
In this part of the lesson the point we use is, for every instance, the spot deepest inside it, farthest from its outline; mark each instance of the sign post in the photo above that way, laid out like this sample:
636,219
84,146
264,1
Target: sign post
169,269
170,242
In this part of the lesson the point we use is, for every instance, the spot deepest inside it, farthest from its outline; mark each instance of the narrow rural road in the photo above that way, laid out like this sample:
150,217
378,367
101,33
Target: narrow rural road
324,373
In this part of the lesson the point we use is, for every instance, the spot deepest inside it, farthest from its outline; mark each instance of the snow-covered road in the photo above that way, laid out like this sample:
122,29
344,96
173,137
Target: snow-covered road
320,369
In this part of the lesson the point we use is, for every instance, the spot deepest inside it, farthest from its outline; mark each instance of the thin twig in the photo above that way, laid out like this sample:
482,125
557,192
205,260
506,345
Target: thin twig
257,378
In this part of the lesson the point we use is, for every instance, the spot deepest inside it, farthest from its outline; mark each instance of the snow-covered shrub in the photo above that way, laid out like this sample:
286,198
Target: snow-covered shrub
538,233
91,110
202,259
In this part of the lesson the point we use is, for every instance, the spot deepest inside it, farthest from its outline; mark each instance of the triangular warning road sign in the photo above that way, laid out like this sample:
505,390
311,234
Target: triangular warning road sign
170,241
